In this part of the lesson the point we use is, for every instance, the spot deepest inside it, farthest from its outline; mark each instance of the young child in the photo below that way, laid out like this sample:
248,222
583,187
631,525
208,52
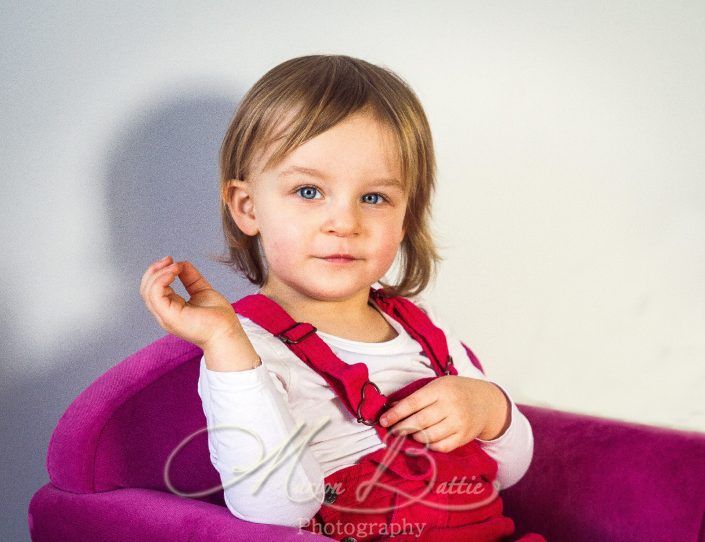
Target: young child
327,175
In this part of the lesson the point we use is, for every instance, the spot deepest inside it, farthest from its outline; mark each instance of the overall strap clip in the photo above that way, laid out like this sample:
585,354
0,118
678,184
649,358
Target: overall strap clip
449,364
298,335
360,417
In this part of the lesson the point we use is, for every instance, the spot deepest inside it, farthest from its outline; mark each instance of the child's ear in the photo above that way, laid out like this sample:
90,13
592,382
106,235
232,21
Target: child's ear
241,205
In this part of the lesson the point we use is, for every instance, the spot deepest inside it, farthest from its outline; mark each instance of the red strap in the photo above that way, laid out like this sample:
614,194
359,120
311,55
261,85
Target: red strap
346,380
351,383
473,357
417,324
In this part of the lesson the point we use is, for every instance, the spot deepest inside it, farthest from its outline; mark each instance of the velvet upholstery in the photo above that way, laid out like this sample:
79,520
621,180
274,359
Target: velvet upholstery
591,479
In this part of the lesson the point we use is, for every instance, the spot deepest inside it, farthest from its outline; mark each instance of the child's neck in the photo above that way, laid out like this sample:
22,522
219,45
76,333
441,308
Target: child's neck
355,319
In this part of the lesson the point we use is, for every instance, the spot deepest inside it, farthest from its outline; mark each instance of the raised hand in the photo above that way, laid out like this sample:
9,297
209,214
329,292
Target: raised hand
206,318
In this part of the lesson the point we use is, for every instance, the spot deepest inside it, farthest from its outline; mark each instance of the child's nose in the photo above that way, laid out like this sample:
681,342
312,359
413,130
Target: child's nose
343,219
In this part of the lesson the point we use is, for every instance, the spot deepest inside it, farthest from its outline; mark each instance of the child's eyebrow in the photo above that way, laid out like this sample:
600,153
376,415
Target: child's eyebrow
384,181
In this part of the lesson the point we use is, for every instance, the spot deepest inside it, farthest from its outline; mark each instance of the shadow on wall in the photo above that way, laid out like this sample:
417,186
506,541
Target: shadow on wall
161,194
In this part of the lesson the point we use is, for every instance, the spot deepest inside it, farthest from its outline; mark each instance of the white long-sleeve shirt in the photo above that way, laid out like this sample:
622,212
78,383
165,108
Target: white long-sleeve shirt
284,406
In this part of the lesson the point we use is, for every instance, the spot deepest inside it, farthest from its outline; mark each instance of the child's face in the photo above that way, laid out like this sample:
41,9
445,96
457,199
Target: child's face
302,218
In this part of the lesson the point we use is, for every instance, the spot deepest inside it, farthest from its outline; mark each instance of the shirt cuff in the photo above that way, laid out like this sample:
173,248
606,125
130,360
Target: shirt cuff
248,379
513,416
513,450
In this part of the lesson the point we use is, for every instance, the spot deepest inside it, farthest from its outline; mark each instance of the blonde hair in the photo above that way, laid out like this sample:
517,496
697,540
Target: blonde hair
315,93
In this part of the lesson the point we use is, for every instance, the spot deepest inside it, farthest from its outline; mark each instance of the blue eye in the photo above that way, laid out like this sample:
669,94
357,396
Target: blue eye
312,190
307,188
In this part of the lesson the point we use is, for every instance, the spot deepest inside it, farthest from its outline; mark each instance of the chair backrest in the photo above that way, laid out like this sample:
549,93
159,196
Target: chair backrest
124,428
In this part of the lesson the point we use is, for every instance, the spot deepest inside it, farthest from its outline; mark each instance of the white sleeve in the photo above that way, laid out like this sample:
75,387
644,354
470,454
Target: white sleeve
513,449
267,470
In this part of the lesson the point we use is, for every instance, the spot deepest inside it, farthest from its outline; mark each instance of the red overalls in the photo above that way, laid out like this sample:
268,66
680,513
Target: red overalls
405,491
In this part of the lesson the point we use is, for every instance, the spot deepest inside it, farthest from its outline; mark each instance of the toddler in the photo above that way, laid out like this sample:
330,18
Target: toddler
327,175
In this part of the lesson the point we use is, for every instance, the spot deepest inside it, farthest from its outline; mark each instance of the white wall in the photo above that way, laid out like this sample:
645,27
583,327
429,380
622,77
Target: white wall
570,140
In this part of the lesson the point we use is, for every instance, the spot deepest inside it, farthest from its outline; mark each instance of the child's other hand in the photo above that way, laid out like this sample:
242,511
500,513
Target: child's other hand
450,411
206,316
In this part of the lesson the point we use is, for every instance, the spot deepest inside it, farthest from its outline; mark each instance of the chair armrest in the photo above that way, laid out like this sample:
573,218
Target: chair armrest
144,515
594,478
81,457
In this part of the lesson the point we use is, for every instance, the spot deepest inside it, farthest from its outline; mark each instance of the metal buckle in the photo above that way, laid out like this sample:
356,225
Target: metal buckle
286,339
449,363
330,495
379,293
362,399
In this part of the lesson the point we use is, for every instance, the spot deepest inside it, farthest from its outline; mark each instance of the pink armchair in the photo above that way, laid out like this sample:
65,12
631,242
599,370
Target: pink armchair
591,479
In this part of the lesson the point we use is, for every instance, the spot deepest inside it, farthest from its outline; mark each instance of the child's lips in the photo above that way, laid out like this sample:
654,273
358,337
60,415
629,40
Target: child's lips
338,259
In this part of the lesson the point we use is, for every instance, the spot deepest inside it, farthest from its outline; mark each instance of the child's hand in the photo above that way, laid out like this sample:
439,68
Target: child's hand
451,411
206,316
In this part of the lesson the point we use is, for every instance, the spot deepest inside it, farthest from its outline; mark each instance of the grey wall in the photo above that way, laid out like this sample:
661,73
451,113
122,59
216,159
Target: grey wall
571,203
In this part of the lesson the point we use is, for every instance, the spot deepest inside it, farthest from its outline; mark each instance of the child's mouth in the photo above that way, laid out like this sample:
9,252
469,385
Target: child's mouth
339,259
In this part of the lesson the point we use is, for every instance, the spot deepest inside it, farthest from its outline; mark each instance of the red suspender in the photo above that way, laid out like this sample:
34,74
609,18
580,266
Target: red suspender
351,383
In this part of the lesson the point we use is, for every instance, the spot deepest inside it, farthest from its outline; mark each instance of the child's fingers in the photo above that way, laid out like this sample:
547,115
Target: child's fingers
150,278
151,270
160,295
167,296
192,280
157,281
